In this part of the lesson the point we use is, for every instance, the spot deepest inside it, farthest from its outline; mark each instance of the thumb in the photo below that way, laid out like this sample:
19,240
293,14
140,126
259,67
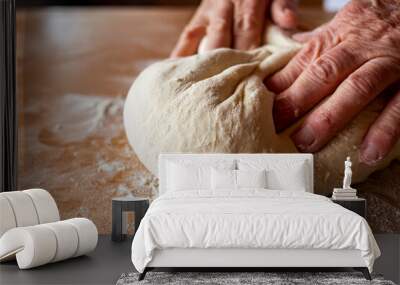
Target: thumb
284,13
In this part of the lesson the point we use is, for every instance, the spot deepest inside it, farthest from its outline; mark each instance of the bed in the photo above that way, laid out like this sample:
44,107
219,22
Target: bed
245,211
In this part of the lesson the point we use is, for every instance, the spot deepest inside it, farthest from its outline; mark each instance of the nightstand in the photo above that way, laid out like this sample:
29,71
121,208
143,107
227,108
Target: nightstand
357,205
121,205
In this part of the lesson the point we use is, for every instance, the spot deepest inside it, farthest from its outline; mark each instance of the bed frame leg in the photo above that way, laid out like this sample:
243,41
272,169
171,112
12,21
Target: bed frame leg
143,274
364,271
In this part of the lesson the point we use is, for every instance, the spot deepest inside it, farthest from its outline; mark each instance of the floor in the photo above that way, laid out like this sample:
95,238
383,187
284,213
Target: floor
110,260
103,266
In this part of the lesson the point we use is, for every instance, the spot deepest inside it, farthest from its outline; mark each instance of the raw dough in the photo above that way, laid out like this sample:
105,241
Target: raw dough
217,102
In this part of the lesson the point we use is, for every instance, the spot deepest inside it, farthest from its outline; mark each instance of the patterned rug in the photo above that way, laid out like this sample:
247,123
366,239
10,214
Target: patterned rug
243,278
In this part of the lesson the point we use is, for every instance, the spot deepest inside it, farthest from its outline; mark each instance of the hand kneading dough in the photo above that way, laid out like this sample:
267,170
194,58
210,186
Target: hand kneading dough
217,102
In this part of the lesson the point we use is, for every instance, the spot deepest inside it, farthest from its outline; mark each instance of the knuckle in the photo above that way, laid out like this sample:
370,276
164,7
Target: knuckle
190,32
394,111
331,36
220,25
390,130
303,59
253,5
246,23
325,69
225,10
326,121
361,85
305,56
315,47
247,4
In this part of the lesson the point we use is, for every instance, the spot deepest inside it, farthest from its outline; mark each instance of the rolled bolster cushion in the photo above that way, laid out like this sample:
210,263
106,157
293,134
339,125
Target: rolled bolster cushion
23,209
40,244
7,219
33,246
45,206
87,235
67,240
26,208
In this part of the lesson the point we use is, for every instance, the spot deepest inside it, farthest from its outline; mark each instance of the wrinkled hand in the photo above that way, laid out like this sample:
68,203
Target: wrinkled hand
233,23
352,59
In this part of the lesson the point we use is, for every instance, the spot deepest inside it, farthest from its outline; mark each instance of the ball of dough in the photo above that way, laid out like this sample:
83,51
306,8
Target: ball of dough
216,102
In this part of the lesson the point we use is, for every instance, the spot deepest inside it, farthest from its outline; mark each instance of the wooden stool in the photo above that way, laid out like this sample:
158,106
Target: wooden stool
126,204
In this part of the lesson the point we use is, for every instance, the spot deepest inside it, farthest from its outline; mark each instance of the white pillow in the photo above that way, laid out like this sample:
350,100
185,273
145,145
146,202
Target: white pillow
251,178
292,175
186,174
236,179
293,180
223,179
185,177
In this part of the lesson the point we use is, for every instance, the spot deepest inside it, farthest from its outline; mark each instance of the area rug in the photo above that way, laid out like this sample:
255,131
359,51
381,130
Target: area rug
244,278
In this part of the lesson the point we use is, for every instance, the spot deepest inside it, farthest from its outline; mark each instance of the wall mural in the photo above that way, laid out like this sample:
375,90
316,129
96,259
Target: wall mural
72,140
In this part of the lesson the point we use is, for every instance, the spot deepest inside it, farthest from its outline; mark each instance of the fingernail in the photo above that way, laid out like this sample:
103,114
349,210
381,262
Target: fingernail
370,154
287,10
304,138
253,46
290,18
284,113
271,84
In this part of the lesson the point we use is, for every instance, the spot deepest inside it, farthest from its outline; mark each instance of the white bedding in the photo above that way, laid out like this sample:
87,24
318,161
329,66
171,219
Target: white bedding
251,218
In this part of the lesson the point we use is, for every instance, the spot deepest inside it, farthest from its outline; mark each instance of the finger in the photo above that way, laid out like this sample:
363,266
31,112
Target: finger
284,13
219,30
383,134
191,36
304,37
318,80
348,100
282,79
249,17
323,41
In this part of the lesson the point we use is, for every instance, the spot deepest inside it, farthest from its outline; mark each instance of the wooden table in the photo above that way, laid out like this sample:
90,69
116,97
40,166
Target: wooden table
75,66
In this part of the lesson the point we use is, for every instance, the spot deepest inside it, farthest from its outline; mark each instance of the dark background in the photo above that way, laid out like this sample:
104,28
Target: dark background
24,3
